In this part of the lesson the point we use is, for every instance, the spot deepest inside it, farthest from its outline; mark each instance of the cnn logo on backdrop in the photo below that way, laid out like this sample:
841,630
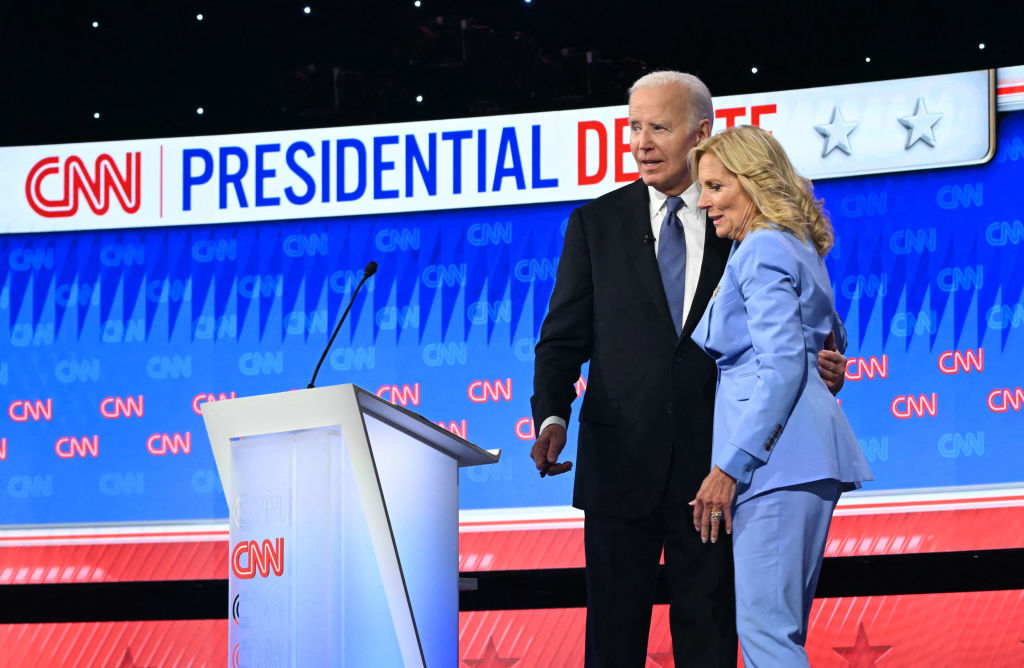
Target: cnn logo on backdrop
54,187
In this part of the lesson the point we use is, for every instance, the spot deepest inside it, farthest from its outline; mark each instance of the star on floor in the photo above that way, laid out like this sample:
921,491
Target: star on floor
920,126
837,133
863,654
490,659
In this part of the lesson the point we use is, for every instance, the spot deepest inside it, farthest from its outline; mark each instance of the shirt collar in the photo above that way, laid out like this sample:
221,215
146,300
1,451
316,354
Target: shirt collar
689,197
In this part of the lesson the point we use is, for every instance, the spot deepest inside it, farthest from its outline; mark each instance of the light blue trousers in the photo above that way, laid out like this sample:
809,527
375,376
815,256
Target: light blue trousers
778,545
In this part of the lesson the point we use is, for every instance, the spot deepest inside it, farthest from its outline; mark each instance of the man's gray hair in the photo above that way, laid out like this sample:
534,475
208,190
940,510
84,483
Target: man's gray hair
697,94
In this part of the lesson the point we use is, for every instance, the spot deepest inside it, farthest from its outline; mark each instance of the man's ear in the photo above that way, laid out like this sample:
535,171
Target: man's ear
704,129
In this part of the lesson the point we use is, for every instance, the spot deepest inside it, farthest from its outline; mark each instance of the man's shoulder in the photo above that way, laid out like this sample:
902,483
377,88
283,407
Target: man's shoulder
628,196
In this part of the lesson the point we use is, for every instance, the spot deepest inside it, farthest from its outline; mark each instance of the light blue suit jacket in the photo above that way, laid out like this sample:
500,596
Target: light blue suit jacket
776,423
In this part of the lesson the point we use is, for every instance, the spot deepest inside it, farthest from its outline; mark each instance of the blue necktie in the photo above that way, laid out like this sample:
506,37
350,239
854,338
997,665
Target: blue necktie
672,260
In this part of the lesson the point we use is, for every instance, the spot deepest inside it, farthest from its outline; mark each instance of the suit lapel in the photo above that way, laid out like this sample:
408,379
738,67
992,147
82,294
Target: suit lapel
635,211
716,253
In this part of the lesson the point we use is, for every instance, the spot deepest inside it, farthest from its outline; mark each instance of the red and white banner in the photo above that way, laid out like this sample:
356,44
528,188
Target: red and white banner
562,156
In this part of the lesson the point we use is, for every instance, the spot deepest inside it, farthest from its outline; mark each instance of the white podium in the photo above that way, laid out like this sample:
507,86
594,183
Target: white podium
343,529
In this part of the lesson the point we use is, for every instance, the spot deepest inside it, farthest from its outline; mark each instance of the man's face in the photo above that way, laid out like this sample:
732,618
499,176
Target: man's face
661,135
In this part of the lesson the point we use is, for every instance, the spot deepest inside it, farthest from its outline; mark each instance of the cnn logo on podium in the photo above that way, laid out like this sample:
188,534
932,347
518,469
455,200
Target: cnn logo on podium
249,557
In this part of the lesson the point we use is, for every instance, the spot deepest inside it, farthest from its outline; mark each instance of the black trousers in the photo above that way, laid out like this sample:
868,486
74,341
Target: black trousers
622,566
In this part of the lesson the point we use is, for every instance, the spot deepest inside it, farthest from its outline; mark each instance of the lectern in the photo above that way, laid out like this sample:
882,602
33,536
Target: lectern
343,529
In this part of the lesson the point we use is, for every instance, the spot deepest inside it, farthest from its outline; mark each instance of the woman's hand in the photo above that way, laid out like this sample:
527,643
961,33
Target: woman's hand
713,504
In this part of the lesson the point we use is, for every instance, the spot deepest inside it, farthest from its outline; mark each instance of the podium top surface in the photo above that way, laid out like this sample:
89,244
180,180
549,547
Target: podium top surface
324,407
402,418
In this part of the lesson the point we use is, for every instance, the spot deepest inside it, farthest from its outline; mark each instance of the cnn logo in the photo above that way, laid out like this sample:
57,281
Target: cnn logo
249,557
64,182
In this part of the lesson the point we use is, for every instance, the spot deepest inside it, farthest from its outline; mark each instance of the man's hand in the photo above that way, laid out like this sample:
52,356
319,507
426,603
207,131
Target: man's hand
832,365
546,449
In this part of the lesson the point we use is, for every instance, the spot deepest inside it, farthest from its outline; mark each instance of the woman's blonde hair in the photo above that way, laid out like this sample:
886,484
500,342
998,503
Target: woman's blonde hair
783,198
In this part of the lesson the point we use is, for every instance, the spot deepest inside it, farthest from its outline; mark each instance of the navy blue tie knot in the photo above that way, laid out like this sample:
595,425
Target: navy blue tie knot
673,204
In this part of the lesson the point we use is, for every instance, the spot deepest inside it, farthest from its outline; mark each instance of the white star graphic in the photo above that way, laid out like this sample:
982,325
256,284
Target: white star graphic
920,125
837,133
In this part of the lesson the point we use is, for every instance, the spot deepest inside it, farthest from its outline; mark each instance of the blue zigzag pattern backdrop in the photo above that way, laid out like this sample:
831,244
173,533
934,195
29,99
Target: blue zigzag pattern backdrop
98,325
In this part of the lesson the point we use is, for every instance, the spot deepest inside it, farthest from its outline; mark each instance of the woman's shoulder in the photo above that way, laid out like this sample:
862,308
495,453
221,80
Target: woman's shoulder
766,244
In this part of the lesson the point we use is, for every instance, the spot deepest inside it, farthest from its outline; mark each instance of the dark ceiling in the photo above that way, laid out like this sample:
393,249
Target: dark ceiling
268,65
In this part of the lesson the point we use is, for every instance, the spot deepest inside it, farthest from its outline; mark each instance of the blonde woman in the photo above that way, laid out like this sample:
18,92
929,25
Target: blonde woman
782,450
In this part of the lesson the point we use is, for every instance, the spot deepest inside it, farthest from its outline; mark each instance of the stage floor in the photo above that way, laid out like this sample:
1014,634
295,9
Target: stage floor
950,629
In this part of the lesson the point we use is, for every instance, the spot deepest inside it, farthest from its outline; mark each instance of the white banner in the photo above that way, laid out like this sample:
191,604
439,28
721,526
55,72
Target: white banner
561,156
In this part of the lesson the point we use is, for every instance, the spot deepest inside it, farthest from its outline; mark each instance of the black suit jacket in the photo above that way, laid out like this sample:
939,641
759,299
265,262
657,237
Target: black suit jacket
649,403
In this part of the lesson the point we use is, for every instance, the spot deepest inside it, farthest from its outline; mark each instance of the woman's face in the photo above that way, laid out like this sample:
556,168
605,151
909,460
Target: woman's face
729,207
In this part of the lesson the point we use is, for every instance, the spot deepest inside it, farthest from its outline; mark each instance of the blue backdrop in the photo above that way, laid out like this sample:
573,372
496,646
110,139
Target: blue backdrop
112,339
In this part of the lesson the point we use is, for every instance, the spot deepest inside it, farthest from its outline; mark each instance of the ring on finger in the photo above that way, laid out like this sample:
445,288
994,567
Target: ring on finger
717,514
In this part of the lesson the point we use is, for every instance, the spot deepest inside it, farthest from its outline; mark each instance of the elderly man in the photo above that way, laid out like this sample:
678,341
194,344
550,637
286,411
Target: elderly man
636,273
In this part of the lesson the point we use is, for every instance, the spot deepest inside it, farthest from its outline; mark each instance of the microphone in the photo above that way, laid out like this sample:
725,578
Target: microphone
370,270
648,239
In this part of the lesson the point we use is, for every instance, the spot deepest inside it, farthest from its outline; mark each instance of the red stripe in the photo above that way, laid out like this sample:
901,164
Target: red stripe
1010,90
523,521
895,504
936,502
